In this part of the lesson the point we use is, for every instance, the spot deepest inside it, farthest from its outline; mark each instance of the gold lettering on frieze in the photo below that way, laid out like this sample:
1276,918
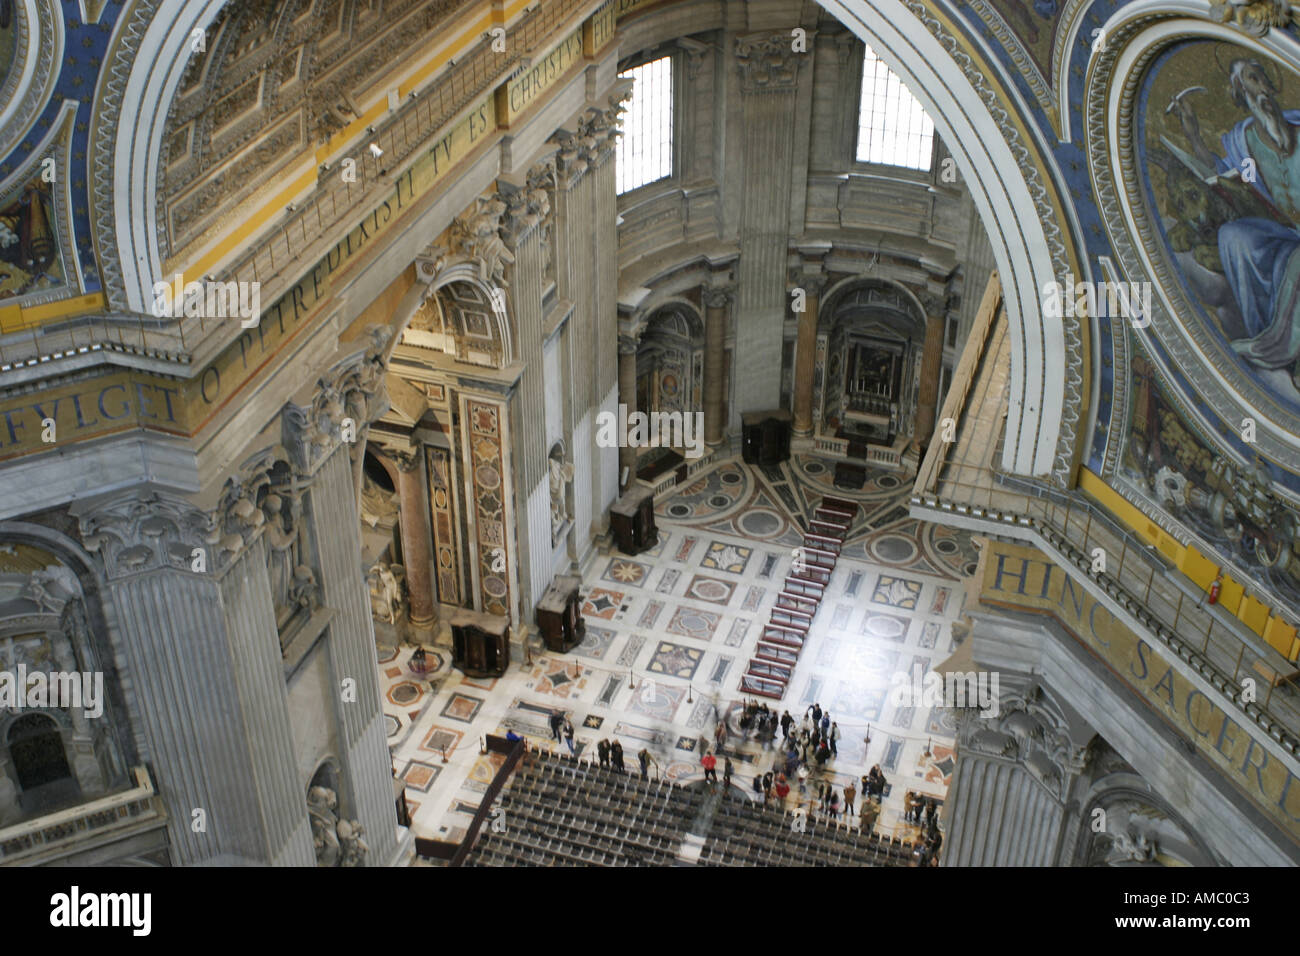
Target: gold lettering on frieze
1019,578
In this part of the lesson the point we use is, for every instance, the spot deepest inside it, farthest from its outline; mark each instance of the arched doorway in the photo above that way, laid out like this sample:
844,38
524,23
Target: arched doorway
40,763
875,339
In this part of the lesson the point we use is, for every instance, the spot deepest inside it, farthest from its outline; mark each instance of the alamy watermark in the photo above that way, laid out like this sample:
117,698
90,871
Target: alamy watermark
1125,300
957,689
209,299
127,910
21,690
683,430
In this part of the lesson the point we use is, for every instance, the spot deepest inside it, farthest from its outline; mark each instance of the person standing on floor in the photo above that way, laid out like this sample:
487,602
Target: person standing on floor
786,723
616,756
870,812
834,738
825,724
835,805
726,771
710,764
568,737
557,722
930,808
643,758
849,794
782,789
602,749
720,734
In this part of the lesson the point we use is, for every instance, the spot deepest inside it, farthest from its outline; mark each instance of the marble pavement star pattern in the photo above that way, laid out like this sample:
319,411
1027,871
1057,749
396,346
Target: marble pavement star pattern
665,632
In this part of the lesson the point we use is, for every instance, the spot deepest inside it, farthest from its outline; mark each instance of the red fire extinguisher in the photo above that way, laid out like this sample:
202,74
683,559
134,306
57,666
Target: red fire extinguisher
1215,588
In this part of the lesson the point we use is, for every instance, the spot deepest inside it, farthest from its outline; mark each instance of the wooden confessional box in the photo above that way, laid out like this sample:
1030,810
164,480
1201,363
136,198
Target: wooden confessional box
632,519
559,615
765,437
480,643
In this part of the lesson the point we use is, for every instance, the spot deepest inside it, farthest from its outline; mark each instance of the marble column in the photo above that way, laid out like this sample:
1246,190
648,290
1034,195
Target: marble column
85,765
805,354
627,397
928,388
417,541
716,301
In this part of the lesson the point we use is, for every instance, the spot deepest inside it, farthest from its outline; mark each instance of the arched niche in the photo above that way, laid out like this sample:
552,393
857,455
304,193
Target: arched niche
1124,824
873,336
670,360
463,318
52,621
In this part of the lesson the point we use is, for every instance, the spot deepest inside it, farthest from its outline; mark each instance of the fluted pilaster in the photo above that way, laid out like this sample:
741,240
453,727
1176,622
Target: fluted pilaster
769,72
365,764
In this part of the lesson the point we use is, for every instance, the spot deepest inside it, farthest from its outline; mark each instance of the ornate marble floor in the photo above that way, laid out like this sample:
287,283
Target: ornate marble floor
686,615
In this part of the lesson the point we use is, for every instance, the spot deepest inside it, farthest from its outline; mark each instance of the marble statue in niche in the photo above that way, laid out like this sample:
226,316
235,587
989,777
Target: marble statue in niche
561,473
338,842
288,575
386,591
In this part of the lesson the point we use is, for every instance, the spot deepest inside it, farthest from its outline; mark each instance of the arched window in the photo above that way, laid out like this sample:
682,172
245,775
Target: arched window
893,129
644,153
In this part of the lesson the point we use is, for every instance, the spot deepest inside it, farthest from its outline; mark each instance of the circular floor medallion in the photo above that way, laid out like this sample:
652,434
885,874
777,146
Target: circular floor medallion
760,523
894,548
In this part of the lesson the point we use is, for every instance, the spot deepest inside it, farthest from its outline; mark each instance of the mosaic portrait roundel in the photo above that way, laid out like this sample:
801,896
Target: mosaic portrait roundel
1219,157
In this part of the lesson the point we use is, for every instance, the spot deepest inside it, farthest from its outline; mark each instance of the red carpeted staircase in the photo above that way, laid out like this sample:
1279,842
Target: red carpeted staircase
772,666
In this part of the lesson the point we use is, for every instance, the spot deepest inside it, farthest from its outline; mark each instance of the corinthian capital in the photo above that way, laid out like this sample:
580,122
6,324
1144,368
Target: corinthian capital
348,398
767,61
717,296
406,461
145,531
813,283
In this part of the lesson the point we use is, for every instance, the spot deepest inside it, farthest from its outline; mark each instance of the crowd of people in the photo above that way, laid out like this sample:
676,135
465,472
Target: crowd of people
807,745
